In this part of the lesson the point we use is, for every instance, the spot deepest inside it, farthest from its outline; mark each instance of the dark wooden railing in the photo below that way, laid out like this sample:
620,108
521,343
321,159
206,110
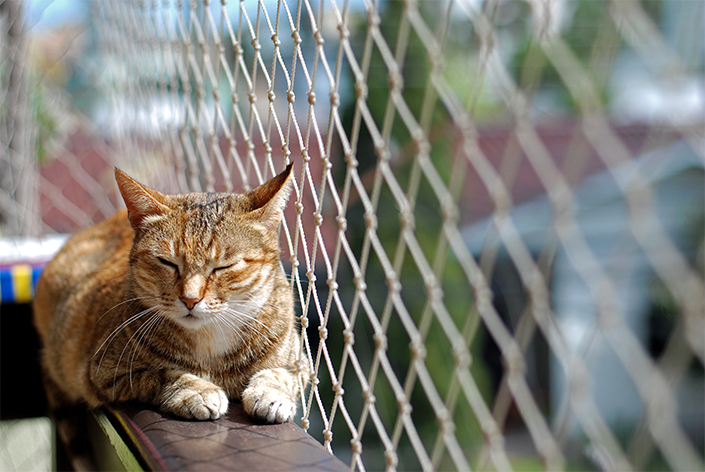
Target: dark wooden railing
143,438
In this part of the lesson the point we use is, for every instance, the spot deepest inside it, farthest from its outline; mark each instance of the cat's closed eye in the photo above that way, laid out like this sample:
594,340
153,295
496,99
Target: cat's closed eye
222,268
169,264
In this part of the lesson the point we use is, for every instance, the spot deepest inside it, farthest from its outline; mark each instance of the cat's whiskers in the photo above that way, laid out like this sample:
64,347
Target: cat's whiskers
117,331
129,300
272,305
251,298
211,335
222,319
241,319
148,329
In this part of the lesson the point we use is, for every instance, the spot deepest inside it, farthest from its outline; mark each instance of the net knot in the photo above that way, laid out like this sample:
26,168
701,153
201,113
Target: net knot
348,337
361,90
391,458
370,221
369,396
296,37
350,159
407,220
360,284
418,350
380,341
393,282
403,404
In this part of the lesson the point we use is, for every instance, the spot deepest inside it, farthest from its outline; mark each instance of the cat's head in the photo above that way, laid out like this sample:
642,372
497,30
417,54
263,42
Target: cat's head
205,258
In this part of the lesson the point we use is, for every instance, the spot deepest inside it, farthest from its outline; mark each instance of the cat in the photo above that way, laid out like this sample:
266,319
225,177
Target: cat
180,301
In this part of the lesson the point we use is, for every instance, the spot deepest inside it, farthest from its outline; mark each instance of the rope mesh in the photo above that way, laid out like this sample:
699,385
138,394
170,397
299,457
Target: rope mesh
498,260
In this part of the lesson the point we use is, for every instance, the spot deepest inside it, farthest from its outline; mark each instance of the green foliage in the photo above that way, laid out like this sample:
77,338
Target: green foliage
45,118
593,39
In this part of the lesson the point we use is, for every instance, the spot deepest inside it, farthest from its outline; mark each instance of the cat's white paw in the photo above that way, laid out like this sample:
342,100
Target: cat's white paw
193,397
269,396
268,405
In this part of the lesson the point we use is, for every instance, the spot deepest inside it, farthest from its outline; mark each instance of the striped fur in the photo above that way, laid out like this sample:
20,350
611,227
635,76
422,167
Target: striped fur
181,302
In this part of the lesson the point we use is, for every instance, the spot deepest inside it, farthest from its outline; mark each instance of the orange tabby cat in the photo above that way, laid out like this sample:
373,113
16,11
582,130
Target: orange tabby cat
181,302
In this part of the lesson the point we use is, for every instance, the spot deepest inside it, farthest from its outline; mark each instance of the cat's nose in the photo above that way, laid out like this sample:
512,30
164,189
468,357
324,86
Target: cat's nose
193,290
190,301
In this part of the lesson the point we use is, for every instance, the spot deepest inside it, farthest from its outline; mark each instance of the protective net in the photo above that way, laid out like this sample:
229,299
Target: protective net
496,236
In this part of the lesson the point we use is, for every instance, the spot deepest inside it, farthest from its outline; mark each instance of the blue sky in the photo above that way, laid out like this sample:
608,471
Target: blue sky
43,14
55,13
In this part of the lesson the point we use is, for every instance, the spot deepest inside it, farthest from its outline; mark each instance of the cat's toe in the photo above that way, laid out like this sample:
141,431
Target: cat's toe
268,405
211,405
220,406
197,398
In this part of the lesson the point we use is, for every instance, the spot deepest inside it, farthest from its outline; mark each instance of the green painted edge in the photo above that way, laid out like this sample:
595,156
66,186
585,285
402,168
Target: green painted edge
123,452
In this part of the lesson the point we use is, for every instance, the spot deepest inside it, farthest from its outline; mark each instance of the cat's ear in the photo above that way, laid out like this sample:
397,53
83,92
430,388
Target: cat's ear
141,201
266,203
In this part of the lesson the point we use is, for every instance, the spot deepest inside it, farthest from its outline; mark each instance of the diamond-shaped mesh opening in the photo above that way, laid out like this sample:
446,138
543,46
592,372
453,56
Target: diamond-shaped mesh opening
495,239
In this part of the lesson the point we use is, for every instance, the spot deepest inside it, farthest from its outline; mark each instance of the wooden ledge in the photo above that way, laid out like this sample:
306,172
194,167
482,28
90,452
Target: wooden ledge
148,439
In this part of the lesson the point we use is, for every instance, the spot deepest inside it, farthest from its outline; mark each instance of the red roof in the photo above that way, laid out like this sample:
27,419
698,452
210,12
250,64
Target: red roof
78,189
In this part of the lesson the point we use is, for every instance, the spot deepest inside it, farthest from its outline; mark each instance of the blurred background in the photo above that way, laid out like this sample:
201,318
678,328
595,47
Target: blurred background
496,239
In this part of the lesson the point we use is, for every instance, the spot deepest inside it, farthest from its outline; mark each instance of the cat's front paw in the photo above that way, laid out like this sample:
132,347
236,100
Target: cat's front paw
270,396
193,397
268,405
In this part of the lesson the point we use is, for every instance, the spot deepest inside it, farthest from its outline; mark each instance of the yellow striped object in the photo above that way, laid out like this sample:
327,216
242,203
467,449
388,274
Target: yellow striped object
17,283
22,283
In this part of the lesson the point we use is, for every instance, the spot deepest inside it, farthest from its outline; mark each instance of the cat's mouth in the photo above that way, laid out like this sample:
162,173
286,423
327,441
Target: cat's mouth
192,317
191,320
